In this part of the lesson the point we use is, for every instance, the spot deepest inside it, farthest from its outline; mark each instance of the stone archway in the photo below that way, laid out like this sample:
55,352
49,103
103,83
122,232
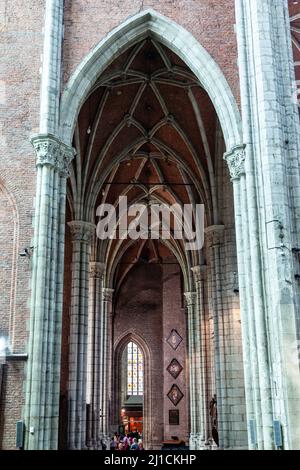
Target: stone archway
180,41
119,346
56,153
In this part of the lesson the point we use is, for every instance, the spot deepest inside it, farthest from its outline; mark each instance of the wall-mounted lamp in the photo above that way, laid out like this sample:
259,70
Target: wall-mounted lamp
26,252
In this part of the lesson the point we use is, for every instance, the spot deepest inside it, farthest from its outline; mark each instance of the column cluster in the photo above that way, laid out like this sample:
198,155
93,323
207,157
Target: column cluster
95,348
267,207
214,236
197,365
82,233
106,361
41,411
254,333
199,273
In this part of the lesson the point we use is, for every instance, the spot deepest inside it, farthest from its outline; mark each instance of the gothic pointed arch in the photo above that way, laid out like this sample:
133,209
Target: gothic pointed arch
177,39
119,347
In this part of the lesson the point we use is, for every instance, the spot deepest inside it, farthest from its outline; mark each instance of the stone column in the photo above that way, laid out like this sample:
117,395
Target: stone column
41,410
194,370
106,362
82,233
199,277
271,131
95,339
214,235
51,67
236,164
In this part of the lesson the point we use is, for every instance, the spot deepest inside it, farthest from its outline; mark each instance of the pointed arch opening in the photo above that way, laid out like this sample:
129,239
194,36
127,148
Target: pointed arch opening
150,115
131,392
149,23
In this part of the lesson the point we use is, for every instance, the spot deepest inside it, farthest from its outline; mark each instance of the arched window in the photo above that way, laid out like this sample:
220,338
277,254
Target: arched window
135,370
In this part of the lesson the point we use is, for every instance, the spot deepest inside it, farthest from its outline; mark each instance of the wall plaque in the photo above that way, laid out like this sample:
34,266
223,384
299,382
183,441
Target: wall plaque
174,368
175,395
174,417
174,339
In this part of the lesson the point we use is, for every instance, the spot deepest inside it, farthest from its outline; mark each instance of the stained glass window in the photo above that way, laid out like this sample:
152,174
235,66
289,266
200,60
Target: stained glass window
135,370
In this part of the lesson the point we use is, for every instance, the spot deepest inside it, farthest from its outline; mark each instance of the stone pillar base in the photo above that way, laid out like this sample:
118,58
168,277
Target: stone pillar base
197,443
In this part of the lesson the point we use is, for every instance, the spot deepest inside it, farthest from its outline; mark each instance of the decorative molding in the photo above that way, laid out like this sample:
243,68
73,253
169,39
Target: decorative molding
97,269
174,368
51,151
235,159
174,339
190,298
214,234
81,231
107,294
199,272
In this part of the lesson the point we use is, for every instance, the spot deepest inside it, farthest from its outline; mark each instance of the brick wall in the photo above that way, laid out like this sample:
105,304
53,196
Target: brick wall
211,22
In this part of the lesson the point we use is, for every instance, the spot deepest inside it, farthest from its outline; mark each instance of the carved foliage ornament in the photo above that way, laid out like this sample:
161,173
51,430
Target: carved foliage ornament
236,161
190,298
107,294
51,151
97,269
82,231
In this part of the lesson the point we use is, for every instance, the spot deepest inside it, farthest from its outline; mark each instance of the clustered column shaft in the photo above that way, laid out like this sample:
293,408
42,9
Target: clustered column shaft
95,339
199,278
106,361
214,234
82,233
43,368
198,423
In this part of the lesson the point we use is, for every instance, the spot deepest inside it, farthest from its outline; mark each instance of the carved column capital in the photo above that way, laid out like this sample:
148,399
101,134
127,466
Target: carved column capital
235,159
214,234
53,152
82,231
97,270
190,298
199,272
107,294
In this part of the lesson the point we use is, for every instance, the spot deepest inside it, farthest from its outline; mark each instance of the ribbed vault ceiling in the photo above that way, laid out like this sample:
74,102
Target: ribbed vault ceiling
148,131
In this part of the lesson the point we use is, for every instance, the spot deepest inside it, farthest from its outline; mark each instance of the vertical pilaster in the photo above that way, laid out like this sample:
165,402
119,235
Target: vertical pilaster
51,67
190,298
95,338
43,368
236,164
199,278
106,361
214,236
82,233
271,132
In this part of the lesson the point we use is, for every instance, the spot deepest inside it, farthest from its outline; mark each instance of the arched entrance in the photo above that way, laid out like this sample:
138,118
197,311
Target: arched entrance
131,389
148,132
264,212
150,115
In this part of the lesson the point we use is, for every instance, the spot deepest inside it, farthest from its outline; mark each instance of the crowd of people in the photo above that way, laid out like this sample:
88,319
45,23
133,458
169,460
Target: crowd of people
130,441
